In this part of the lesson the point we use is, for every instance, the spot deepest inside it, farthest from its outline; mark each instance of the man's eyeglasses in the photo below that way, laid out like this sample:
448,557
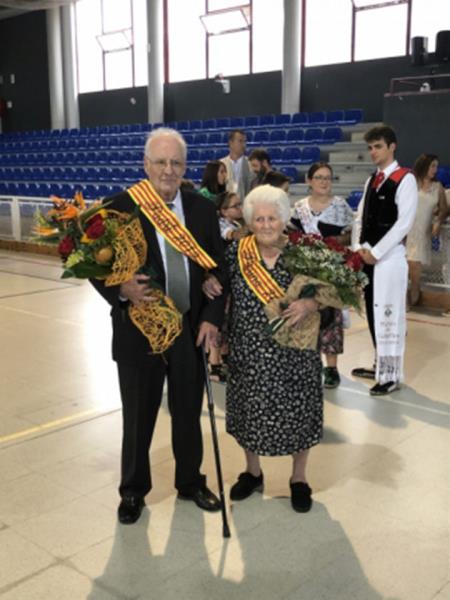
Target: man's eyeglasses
322,177
237,205
161,164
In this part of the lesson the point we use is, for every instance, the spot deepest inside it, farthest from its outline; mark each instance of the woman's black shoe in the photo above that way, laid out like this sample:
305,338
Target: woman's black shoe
246,485
301,496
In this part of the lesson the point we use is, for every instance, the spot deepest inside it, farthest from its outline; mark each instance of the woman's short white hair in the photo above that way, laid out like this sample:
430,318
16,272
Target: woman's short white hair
267,194
165,132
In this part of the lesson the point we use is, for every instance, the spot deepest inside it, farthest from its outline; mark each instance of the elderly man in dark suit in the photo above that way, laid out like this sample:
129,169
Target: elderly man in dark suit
142,374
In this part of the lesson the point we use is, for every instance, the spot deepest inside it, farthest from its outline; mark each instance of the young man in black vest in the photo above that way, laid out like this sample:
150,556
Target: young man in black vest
385,216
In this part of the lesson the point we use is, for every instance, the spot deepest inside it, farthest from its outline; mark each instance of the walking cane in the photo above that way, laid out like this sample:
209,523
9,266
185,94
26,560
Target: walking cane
212,418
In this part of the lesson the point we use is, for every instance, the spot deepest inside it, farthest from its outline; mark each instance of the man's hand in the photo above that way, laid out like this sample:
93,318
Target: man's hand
367,256
212,287
208,335
136,289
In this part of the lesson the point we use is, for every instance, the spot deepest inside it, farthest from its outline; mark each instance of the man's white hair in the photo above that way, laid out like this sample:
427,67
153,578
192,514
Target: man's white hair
267,194
165,132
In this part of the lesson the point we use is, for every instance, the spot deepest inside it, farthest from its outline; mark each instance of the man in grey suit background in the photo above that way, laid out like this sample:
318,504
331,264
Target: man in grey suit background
239,173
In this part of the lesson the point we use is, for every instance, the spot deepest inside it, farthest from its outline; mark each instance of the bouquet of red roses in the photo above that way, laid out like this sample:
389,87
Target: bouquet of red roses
322,269
102,243
329,261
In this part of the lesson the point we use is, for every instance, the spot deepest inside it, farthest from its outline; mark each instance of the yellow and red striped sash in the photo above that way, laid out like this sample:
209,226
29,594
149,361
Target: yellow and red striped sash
168,224
256,276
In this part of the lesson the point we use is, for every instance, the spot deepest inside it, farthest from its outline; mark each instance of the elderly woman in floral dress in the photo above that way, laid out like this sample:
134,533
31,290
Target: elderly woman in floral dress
274,403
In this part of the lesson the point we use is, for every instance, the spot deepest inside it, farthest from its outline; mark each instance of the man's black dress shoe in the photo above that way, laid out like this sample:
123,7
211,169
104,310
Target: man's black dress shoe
130,509
203,498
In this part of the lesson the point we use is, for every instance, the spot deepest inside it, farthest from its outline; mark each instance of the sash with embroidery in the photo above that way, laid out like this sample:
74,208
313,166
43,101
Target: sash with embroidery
256,276
168,224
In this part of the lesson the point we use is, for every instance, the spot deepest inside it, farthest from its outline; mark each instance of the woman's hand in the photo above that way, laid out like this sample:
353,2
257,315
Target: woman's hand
299,309
435,229
212,287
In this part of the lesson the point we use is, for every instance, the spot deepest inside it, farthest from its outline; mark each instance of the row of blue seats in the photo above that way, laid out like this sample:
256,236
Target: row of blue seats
101,157
296,135
304,154
64,190
93,190
331,117
123,175
90,192
81,174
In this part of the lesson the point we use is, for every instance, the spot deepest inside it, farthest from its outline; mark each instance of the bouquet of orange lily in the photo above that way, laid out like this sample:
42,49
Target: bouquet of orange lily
85,235
98,242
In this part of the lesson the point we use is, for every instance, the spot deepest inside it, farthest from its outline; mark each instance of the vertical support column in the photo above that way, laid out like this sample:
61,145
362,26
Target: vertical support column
69,66
291,75
155,90
55,68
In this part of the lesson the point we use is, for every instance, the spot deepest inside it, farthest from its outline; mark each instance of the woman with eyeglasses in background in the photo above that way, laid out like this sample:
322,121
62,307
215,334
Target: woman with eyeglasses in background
322,213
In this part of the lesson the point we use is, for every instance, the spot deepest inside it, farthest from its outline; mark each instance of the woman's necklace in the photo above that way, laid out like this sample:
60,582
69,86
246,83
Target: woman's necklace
318,206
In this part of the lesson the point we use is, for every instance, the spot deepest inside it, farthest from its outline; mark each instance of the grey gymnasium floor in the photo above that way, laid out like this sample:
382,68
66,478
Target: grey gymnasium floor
379,527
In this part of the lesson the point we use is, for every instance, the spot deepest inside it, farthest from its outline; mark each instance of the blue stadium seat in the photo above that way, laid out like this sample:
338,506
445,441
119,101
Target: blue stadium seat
335,116
277,136
314,134
104,174
206,155
195,125
118,174
92,174
251,121
182,126
200,139
90,192
354,198
317,118
209,124
223,123
193,155
310,154
290,172
332,134
300,118
261,136
292,154
188,138
443,175
43,190
353,116
236,122
283,119
275,154
104,190
215,138
220,153
189,173
266,120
